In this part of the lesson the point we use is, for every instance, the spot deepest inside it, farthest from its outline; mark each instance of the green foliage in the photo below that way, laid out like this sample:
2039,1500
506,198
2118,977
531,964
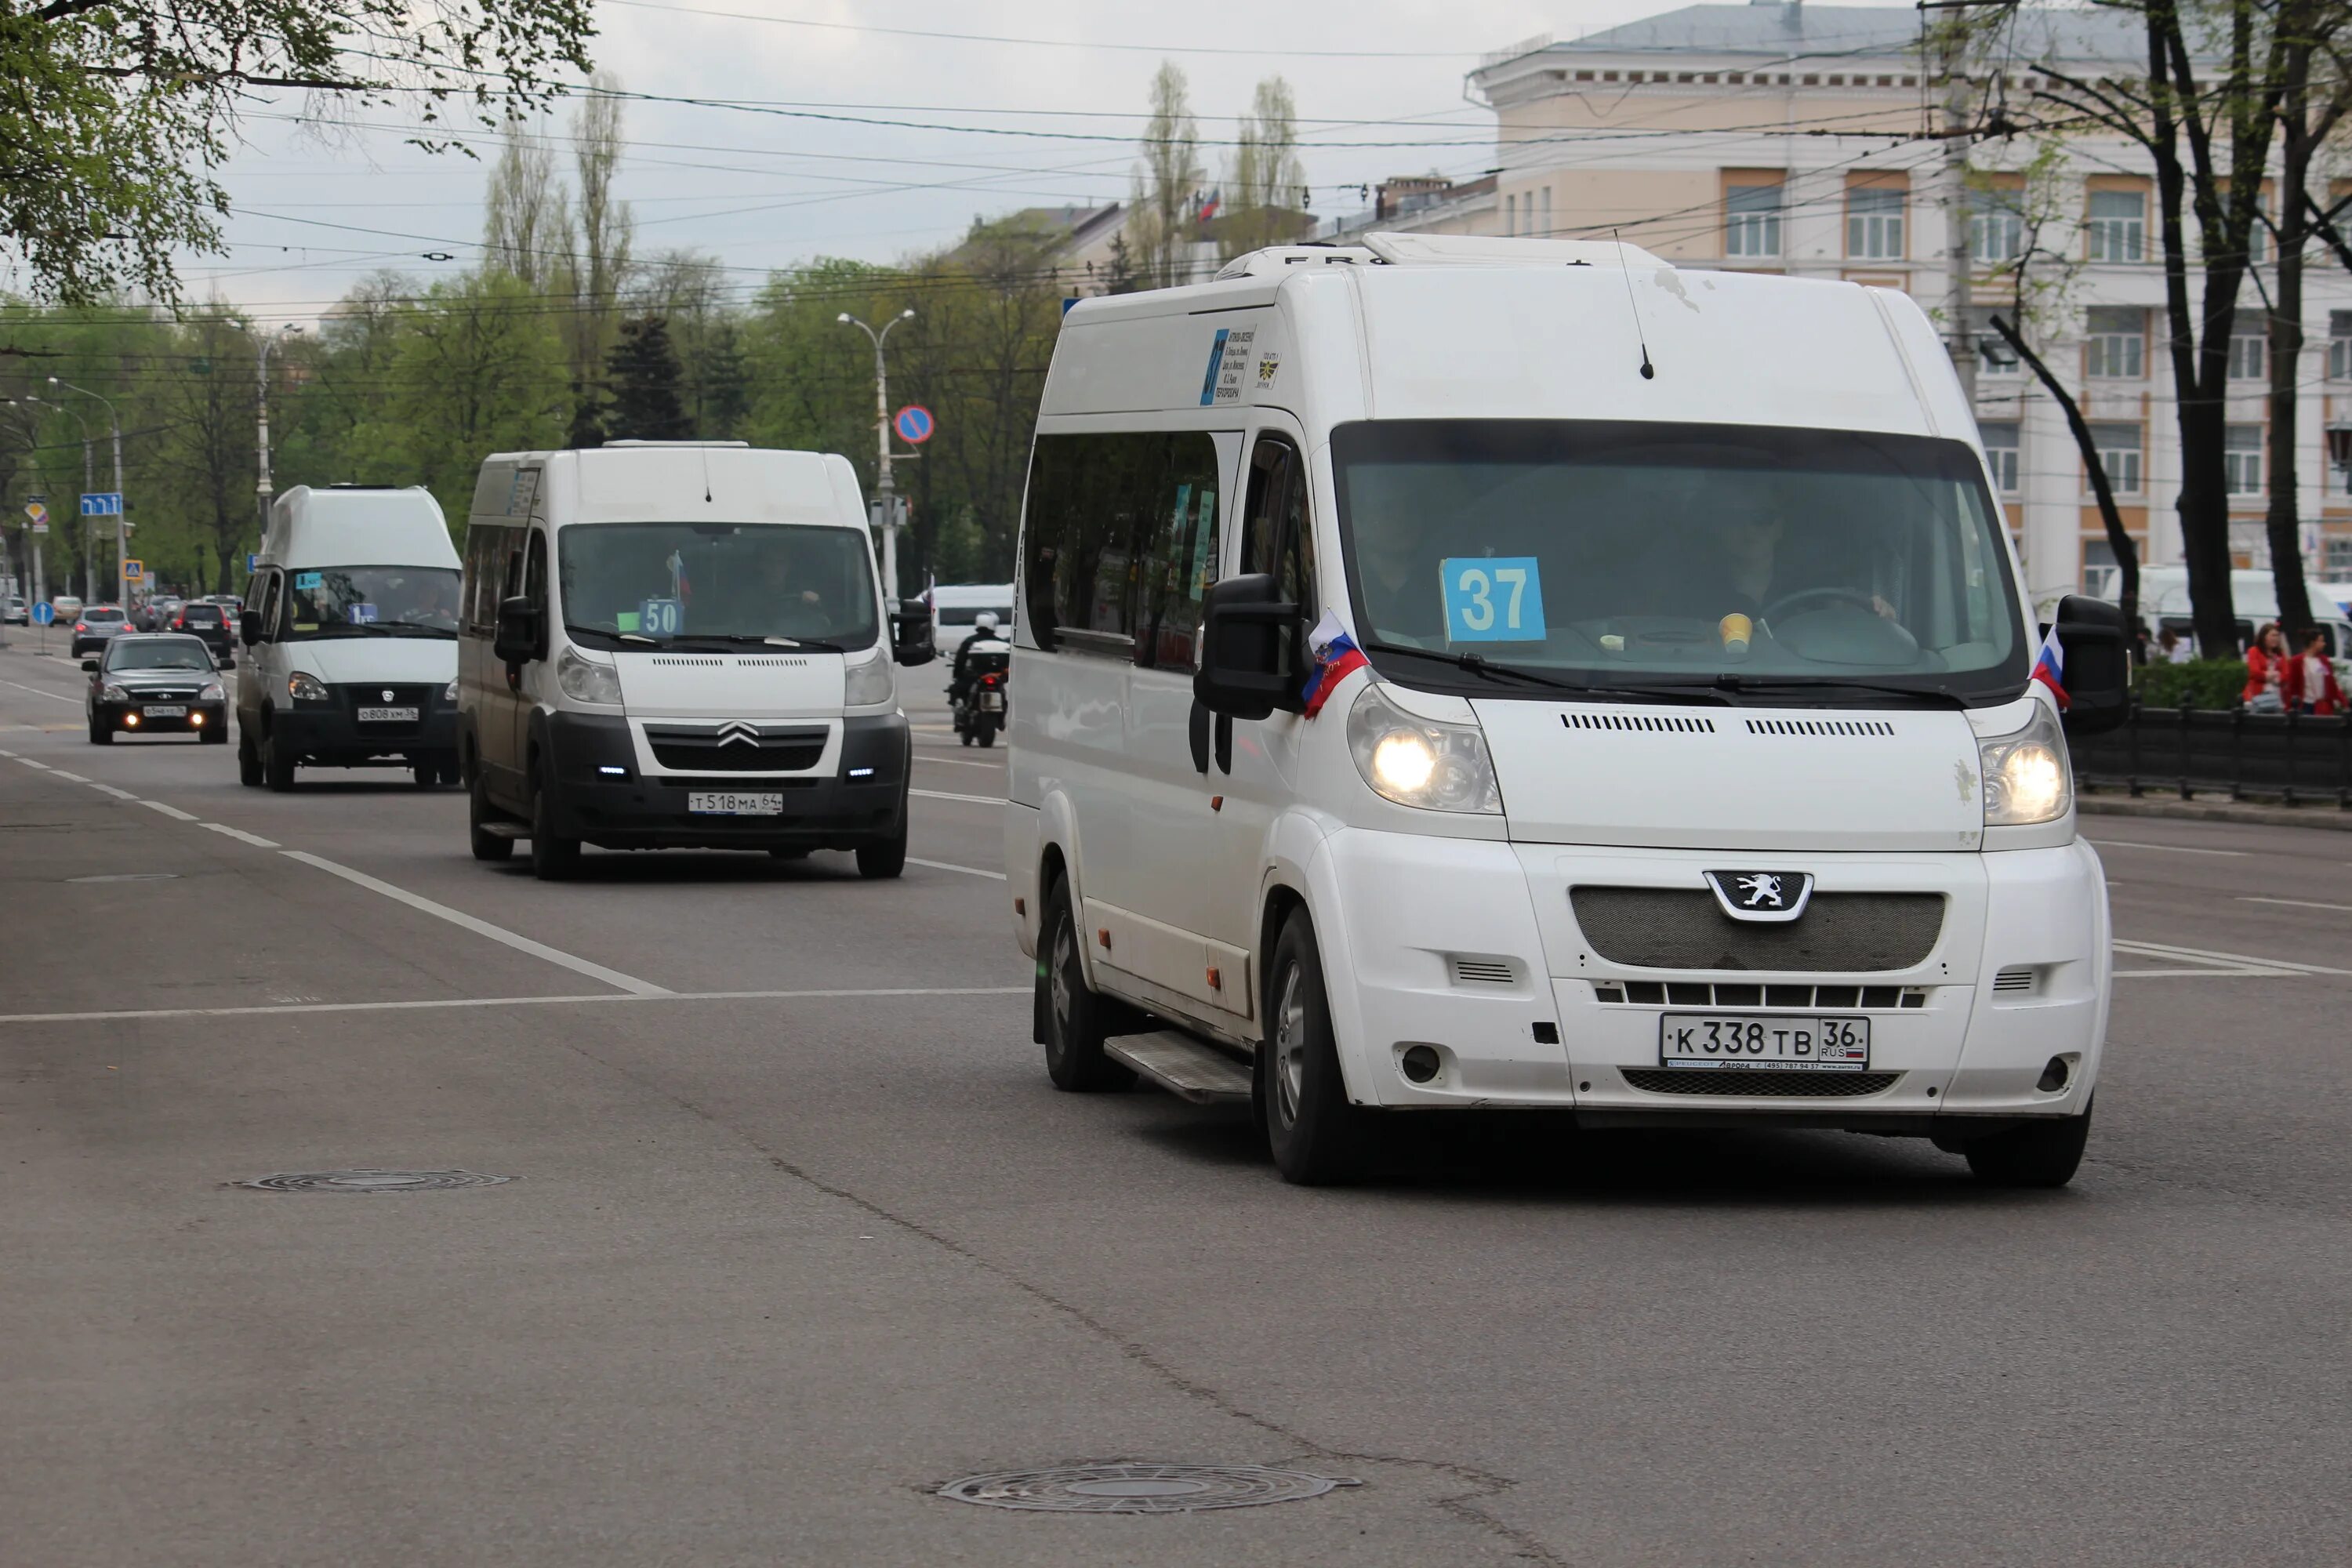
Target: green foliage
2200,683
642,372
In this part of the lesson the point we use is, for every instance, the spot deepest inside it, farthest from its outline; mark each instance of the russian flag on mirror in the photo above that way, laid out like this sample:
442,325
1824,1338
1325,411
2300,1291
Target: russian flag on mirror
1337,657
2049,667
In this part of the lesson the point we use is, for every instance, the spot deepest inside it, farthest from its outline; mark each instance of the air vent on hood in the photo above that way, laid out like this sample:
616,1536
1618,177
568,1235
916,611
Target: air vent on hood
689,663
765,663
1820,727
1658,723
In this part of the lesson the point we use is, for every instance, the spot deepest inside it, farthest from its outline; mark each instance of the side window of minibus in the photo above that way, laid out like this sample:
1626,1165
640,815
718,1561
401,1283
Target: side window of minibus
1277,536
534,571
272,603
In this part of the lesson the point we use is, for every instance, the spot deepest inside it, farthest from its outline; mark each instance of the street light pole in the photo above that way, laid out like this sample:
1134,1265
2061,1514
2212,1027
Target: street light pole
122,531
886,498
261,410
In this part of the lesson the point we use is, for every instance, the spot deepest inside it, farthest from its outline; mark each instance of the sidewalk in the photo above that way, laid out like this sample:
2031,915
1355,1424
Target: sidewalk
2322,813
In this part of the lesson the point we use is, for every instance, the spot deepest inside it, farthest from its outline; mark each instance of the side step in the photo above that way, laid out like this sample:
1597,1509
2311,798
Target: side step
507,830
1186,1068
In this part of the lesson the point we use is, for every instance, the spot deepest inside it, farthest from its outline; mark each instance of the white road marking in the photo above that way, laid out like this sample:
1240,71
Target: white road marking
109,789
951,865
173,812
2300,904
944,794
15,727
31,762
2169,848
39,693
248,1012
2226,963
254,840
515,940
958,762
74,778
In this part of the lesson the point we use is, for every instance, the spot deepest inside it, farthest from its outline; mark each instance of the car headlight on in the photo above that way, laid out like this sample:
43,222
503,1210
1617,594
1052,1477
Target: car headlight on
213,693
304,687
2026,775
449,692
584,680
869,684
1419,762
113,693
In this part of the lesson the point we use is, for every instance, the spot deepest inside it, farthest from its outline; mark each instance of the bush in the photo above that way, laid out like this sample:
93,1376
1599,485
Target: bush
2200,683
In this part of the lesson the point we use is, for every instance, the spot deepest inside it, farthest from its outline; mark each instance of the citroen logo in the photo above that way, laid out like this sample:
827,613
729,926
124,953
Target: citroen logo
738,733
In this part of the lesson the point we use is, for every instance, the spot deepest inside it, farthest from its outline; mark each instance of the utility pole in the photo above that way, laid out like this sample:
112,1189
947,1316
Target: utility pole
121,526
1951,50
261,410
886,499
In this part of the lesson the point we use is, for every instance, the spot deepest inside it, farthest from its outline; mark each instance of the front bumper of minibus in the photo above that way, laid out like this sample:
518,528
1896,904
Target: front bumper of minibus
1475,950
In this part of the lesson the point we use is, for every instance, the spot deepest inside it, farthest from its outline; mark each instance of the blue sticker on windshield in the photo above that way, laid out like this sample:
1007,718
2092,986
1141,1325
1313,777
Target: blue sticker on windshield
660,618
1496,598
309,579
359,614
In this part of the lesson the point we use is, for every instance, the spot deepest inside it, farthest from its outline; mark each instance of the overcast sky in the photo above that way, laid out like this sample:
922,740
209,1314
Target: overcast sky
759,189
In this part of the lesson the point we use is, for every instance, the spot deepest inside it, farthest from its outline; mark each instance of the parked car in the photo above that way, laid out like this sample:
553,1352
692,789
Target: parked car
16,613
210,624
96,625
147,683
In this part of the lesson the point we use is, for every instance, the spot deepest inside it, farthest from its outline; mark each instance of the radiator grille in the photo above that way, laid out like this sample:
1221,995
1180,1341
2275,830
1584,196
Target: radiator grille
2013,981
1706,993
1676,927
1743,1083
707,750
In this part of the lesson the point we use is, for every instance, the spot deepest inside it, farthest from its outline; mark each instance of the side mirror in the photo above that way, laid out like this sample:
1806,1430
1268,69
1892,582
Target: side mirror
911,634
1243,628
248,627
2092,634
519,631
90,664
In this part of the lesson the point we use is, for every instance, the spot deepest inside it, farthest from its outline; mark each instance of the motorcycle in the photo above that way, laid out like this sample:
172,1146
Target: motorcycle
981,705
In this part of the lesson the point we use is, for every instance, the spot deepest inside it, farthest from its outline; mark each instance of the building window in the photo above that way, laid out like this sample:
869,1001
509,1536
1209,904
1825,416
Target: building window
2339,346
2114,342
1996,226
2241,459
2100,568
2116,228
2118,449
2336,558
2248,343
1873,223
1752,220
1511,216
2000,452
1543,208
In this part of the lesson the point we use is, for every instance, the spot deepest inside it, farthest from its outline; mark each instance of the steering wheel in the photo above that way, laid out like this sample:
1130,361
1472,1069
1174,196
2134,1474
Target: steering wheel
1828,596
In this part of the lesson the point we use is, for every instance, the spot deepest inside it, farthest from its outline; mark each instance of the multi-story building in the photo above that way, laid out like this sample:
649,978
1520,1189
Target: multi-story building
1789,138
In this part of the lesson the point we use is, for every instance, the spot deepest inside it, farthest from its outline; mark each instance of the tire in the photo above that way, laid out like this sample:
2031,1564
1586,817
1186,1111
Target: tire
1073,1017
486,846
2038,1154
884,859
249,760
451,775
552,858
1316,1137
277,764
964,736
988,736
100,734
426,774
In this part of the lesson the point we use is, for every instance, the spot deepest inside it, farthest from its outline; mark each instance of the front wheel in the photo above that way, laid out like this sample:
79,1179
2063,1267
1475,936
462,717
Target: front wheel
249,760
1073,1016
1315,1136
885,857
553,857
2038,1154
276,763
426,774
487,845
100,733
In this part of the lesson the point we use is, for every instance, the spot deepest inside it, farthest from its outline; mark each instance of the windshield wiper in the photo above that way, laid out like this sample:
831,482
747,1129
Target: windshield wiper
814,644
425,626
1481,665
1836,683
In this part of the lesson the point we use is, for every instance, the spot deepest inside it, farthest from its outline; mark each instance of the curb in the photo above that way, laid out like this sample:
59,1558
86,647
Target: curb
2321,816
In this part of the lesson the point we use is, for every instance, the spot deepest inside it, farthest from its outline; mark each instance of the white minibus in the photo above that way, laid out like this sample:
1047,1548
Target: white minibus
680,645
1462,674
350,624
956,609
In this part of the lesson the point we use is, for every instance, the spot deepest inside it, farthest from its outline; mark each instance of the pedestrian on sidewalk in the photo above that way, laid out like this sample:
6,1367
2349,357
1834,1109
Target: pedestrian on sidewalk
2266,665
2174,648
2309,685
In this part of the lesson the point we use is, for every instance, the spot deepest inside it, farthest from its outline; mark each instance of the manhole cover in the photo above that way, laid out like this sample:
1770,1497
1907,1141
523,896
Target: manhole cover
372,1181
1135,1486
130,876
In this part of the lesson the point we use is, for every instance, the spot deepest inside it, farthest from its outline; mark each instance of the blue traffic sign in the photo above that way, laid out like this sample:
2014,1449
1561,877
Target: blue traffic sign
102,504
914,424
252,562
44,613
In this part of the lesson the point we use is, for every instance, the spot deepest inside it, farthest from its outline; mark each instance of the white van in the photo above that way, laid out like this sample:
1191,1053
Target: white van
1671,757
675,645
350,626
956,608
2254,598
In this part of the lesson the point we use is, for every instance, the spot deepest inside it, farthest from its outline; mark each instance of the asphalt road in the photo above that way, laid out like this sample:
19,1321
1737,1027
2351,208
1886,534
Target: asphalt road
799,1232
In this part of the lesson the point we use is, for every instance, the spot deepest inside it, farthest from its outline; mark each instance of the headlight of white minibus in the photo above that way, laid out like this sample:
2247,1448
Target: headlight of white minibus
1419,762
585,681
869,683
2026,779
304,687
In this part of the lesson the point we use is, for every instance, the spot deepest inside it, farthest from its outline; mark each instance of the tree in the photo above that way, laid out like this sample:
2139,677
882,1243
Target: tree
208,441
1167,182
116,117
601,265
526,224
642,375
1268,181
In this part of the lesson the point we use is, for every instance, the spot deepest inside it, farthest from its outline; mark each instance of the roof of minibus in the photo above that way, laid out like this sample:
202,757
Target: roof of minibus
683,481
1540,341
358,525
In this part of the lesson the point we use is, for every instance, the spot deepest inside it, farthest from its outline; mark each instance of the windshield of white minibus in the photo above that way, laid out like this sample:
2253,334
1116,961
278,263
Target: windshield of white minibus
1808,565
629,584
368,601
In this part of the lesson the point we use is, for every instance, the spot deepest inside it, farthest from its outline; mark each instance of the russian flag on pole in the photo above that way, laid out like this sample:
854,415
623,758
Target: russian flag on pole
1337,657
2049,667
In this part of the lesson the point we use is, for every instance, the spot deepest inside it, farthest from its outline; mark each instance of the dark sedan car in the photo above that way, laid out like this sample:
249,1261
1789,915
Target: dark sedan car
212,624
155,682
95,625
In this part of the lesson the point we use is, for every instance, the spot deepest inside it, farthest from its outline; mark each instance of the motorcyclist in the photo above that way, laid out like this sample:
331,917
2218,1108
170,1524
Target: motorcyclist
983,630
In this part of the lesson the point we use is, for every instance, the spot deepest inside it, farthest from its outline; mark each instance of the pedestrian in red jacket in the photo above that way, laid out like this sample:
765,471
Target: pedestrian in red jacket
2267,662
2309,684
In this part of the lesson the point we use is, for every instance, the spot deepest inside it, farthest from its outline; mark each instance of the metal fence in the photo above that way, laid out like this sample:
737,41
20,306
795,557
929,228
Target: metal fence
2286,757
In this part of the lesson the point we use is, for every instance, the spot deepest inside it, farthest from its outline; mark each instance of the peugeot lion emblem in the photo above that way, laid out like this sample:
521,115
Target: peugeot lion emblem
738,734
1763,896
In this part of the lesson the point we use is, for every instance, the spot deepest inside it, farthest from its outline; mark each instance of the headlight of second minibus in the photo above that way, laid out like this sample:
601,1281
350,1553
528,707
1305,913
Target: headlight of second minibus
2026,779
868,684
584,680
1419,762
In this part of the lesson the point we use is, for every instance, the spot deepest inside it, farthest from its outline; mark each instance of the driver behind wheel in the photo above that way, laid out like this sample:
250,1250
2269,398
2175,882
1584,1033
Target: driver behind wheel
1744,535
